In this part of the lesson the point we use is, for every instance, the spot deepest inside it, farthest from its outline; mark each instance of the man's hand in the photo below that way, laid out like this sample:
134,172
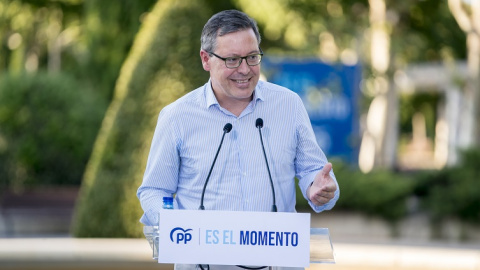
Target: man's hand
323,187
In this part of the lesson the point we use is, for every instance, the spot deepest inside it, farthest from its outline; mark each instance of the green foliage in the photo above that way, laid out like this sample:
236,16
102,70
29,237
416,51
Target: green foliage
89,39
110,28
297,27
379,193
449,193
163,65
47,127
41,32
424,31
453,192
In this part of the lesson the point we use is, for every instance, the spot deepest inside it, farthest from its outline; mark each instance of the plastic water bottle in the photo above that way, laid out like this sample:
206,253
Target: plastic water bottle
167,203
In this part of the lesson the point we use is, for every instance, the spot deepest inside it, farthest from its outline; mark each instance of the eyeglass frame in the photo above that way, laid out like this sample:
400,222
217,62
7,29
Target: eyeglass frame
241,59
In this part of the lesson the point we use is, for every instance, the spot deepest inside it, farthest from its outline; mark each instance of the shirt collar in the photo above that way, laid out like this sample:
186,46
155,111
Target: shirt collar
212,100
209,95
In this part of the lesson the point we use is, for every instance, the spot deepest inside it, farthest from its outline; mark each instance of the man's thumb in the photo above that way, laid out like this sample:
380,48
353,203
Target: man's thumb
326,169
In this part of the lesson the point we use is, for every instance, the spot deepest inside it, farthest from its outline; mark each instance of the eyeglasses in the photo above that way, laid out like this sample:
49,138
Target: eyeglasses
234,62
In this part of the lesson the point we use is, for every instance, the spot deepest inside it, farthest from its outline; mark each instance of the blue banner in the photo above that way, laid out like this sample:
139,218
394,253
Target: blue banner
330,94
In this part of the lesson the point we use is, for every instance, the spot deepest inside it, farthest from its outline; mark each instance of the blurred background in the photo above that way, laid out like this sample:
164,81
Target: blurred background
392,89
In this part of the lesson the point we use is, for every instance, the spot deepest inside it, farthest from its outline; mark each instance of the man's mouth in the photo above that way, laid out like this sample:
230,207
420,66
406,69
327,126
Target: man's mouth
241,81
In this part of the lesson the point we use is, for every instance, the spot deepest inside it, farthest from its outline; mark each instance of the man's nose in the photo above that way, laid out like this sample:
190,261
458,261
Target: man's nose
244,68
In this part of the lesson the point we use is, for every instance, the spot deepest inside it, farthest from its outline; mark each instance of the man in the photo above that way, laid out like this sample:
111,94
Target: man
189,130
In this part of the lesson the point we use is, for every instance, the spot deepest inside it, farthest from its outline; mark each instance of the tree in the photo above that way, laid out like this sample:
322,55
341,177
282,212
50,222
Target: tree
163,65
402,32
35,34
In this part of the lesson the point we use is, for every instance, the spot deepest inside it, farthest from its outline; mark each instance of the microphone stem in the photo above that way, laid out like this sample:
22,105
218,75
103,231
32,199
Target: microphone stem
210,172
274,206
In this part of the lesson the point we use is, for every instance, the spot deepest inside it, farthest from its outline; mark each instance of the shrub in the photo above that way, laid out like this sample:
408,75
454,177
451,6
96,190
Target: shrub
453,192
382,193
47,127
379,193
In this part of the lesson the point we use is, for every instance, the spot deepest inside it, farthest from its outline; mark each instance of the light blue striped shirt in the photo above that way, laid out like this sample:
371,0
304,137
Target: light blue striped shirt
186,140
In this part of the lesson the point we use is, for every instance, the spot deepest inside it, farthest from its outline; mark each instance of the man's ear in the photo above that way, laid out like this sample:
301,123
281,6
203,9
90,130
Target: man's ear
205,57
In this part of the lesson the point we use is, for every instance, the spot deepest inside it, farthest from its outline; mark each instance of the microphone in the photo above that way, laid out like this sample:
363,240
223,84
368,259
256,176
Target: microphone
259,125
226,129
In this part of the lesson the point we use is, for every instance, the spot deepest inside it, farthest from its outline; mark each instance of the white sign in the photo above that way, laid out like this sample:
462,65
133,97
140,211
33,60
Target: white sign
234,238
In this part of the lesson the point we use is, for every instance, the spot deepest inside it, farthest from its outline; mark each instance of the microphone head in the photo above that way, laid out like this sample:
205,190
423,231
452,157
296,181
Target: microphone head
259,123
227,128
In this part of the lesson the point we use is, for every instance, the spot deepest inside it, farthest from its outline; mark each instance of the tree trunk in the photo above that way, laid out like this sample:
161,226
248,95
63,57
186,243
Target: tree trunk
379,140
469,21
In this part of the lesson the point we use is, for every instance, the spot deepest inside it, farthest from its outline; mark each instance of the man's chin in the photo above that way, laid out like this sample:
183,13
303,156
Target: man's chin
244,94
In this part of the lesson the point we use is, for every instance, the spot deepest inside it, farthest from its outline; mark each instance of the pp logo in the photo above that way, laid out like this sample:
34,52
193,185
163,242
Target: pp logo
180,235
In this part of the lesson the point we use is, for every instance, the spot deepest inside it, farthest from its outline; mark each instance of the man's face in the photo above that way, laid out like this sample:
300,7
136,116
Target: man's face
233,85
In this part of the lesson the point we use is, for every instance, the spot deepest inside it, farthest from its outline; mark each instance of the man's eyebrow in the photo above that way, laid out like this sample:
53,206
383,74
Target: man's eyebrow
250,53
